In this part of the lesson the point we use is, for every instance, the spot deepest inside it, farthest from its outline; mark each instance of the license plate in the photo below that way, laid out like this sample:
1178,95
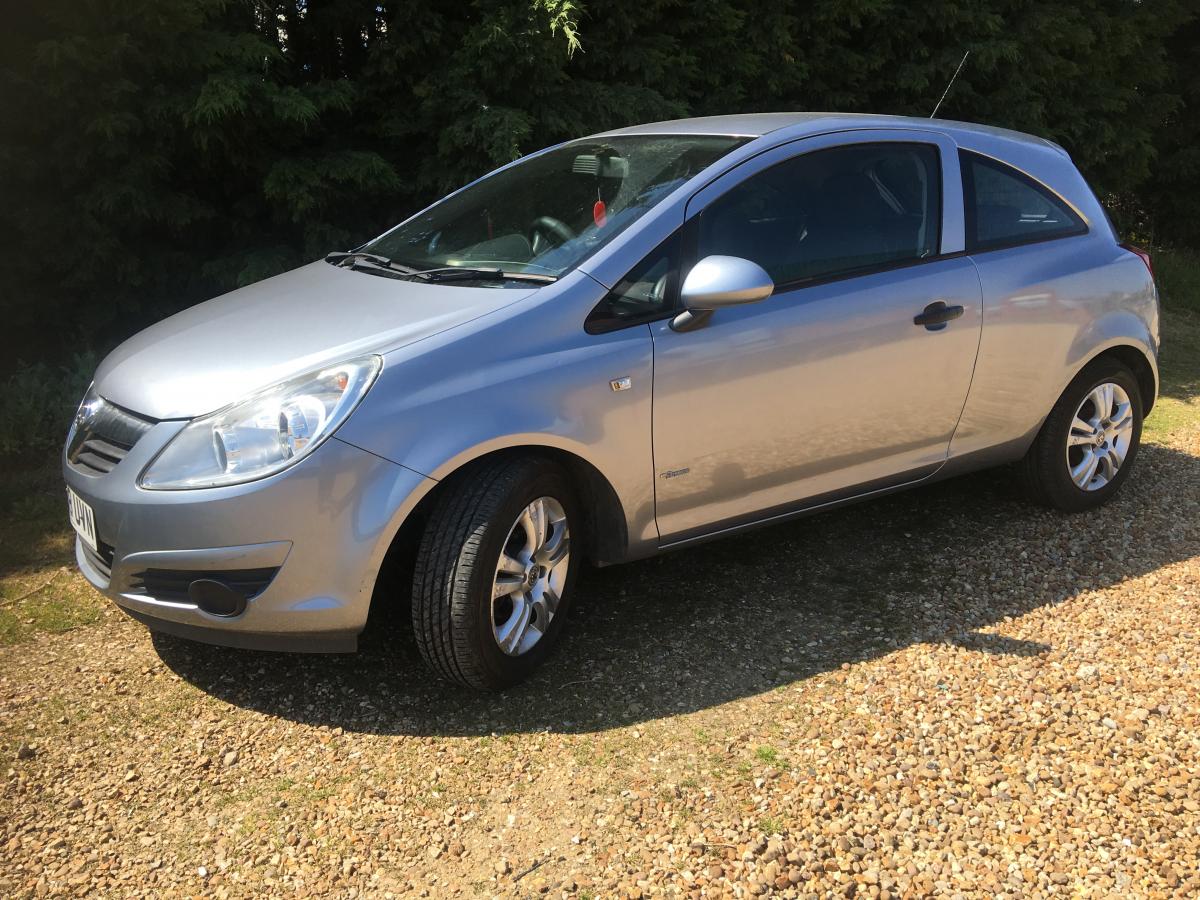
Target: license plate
82,519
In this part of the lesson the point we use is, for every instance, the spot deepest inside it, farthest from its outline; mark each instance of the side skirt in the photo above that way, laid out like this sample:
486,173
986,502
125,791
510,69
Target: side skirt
811,505
954,466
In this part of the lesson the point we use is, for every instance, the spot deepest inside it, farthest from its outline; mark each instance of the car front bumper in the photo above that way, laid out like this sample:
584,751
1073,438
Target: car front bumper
303,546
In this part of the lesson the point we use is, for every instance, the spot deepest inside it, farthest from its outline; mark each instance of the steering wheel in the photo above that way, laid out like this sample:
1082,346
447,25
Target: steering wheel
551,227
660,289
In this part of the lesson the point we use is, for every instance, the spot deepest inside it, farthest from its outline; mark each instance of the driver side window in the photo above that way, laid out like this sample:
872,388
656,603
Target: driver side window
831,213
645,294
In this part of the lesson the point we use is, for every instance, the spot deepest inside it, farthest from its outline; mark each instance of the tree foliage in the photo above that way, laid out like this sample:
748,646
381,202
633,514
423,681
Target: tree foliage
157,152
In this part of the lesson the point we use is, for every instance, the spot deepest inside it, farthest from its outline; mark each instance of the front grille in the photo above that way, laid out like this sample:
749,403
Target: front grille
100,559
104,434
99,455
171,585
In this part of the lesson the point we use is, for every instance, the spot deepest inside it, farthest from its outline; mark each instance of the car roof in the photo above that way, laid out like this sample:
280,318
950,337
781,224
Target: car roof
799,124
1041,160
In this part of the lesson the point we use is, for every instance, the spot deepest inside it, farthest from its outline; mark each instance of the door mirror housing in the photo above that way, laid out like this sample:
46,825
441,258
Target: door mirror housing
720,281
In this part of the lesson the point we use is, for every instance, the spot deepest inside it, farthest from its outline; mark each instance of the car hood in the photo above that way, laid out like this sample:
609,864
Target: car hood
217,352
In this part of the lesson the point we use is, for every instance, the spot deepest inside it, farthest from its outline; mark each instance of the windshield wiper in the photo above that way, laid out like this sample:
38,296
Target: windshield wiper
337,257
352,257
463,273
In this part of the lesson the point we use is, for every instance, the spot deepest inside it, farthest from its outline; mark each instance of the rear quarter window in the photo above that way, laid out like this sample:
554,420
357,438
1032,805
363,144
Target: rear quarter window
1005,207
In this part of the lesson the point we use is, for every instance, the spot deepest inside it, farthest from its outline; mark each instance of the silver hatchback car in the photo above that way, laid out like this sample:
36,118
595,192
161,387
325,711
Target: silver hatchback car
614,347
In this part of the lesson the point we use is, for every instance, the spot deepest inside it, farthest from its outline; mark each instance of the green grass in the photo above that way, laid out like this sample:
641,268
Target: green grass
767,754
40,590
1179,370
1178,275
770,825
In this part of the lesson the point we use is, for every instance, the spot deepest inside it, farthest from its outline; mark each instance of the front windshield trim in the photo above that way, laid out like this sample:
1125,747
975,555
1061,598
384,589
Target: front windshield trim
731,135
547,212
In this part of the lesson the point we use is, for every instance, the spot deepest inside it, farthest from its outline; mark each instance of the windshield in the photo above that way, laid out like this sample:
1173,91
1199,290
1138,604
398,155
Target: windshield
547,214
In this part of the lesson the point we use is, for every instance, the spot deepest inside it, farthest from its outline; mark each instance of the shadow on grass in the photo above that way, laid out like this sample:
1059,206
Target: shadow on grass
1179,361
33,516
735,618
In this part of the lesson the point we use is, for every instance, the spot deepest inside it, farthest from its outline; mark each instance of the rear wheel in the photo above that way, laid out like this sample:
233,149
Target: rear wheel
494,572
1088,443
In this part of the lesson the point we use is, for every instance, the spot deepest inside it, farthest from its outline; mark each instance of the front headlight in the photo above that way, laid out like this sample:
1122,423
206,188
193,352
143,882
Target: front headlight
264,433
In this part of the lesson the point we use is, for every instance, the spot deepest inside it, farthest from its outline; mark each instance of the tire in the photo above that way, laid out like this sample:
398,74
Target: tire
1046,469
457,626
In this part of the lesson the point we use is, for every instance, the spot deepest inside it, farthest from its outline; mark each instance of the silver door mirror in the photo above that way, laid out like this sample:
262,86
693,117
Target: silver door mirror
718,281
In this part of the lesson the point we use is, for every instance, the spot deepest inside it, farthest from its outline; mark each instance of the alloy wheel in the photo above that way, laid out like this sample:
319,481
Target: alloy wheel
1099,436
530,576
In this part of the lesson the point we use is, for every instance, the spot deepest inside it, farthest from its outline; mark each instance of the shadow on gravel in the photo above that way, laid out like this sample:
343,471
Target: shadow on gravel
735,618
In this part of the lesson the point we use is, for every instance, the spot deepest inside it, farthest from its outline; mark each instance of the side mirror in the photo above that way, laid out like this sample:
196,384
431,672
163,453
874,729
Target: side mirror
719,281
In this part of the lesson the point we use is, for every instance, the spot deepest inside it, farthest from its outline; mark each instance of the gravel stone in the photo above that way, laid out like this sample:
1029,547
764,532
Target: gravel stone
943,692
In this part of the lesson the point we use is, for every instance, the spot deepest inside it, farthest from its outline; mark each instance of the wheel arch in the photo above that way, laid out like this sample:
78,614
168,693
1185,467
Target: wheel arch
606,536
1139,363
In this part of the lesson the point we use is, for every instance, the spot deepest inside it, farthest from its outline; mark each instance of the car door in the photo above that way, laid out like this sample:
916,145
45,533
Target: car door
828,387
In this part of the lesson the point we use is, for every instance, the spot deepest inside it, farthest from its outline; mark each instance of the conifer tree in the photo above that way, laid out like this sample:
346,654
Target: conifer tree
157,152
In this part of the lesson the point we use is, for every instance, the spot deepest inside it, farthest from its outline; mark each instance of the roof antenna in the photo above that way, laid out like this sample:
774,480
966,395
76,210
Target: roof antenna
947,90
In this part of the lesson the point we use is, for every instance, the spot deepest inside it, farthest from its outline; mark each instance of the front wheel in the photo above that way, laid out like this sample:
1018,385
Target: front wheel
494,572
1088,443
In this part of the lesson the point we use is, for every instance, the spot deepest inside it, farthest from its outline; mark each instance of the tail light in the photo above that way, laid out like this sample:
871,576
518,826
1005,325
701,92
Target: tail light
1143,255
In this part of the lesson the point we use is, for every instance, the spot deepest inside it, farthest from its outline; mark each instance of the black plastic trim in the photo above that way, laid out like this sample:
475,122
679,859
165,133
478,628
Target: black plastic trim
596,323
608,326
307,642
980,251
174,585
101,558
103,440
803,507
787,286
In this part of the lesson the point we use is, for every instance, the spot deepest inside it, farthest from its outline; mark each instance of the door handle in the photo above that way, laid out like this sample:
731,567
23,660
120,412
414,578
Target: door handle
935,316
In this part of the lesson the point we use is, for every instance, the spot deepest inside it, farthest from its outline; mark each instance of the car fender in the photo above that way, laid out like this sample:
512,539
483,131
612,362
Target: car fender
1118,328
1049,309
526,376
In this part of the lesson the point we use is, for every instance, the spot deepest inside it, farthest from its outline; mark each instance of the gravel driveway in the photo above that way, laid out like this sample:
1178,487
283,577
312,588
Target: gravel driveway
942,692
